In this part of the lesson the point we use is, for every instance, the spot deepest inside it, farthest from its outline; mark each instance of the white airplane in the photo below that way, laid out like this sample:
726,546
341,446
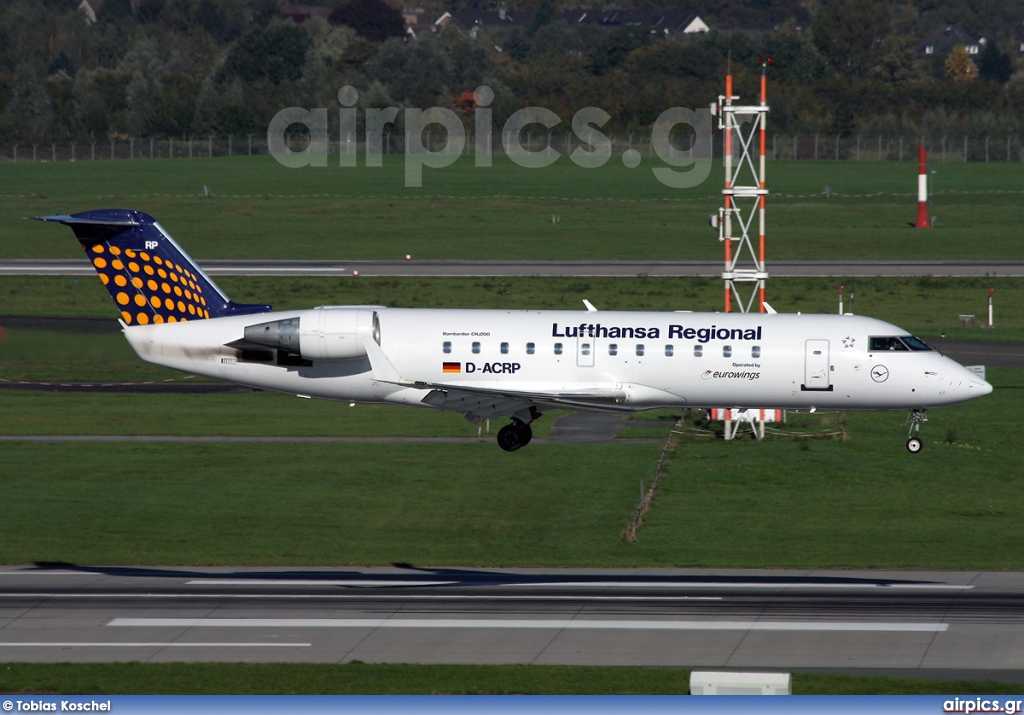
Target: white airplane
489,364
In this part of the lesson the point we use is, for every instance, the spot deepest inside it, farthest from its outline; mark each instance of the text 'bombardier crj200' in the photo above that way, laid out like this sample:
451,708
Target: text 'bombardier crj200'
488,364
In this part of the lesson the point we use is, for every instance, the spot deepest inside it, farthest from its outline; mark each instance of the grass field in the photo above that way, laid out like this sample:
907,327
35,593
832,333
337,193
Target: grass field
259,209
799,503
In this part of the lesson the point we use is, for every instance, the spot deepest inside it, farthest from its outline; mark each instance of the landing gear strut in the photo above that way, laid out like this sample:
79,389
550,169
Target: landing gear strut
915,420
518,434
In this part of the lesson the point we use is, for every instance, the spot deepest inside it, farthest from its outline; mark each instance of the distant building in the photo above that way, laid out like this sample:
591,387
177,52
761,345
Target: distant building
669,23
300,13
417,21
941,41
662,22
476,21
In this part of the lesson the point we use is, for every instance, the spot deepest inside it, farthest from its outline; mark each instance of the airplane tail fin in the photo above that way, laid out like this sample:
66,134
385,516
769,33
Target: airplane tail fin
149,276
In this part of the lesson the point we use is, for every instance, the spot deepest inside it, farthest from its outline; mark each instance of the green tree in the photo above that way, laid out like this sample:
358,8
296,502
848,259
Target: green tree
115,12
517,44
615,46
276,53
794,58
470,59
995,65
142,104
416,73
92,115
959,65
211,18
849,33
29,112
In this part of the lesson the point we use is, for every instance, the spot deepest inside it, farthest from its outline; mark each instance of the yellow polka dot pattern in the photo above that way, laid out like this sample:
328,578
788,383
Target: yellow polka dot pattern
143,300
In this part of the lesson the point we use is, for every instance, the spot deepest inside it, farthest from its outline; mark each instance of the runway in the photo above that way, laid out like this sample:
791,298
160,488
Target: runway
625,269
919,624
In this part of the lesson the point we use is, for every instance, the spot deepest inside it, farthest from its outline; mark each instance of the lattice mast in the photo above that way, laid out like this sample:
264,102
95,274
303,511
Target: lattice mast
744,198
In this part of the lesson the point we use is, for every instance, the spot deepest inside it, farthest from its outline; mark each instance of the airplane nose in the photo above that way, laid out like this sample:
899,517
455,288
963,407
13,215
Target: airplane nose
980,387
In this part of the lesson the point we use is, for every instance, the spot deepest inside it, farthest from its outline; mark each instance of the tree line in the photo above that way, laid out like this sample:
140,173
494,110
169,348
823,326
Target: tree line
174,68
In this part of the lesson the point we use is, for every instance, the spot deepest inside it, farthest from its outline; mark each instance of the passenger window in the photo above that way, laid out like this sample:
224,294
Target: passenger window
504,348
727,351
558,348
447,347
476,348
669,350
755,351
698,350
613,349
530,348
585,349
639,349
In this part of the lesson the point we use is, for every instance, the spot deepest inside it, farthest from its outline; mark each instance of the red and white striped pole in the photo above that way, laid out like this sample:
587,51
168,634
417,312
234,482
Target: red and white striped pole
990,291
922,189
841,299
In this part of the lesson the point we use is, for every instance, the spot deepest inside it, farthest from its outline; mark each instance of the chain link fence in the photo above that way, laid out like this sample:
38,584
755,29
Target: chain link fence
791,147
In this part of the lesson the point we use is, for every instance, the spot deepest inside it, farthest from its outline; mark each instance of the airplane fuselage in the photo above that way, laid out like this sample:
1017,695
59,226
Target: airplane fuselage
600,360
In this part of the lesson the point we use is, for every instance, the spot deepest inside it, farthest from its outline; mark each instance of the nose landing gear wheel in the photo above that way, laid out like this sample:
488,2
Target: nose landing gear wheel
514,436
915,420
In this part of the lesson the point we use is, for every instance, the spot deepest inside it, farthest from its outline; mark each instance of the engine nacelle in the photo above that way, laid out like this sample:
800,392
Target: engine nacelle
320,334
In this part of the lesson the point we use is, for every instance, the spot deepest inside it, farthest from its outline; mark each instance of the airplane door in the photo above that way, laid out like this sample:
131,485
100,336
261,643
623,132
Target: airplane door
816,366
585,348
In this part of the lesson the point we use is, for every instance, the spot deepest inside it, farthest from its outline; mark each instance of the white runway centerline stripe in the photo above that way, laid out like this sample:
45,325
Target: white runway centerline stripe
554,624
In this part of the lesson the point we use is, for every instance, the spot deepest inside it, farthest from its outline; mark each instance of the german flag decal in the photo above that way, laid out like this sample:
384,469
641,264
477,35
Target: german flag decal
451,367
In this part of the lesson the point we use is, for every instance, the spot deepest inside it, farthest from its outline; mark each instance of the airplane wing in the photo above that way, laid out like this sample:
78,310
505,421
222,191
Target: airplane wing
486,403
481,403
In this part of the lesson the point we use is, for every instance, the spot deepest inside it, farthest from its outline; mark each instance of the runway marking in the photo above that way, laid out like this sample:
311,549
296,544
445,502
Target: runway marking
154,645
556,624
575,584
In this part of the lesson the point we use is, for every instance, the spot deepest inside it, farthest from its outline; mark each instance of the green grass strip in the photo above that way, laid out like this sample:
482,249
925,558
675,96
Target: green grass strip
259,209
399,679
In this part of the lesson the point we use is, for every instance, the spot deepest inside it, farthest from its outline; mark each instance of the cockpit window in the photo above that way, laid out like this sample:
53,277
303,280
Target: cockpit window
915,343
886,344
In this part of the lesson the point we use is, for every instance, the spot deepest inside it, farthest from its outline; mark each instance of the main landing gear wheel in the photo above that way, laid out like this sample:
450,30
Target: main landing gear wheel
513,436
916,419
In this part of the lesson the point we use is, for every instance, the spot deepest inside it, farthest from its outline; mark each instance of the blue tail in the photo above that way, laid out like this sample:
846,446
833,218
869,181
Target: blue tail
149,276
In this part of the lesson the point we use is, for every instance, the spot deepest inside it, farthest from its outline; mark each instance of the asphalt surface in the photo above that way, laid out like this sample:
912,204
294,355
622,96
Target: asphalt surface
426,268
923,624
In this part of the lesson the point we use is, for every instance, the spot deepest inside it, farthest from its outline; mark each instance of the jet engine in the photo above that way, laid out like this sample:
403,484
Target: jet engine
320,334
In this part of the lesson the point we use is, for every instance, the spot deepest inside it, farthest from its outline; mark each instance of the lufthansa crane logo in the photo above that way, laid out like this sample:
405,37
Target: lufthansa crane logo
879,373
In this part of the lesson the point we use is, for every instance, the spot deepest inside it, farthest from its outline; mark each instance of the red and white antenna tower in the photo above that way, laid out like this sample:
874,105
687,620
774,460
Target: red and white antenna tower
744,200
744,195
